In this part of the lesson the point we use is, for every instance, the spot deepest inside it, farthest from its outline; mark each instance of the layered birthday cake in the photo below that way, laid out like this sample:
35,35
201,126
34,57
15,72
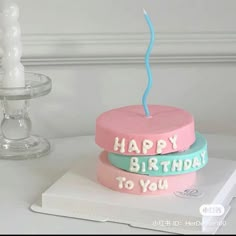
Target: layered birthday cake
156,155
149,149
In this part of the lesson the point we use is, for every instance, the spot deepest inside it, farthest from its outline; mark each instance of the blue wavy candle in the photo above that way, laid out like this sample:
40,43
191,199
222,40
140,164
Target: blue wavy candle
148,68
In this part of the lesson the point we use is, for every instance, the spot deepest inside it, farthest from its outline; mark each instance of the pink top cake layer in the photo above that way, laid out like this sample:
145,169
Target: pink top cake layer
128,131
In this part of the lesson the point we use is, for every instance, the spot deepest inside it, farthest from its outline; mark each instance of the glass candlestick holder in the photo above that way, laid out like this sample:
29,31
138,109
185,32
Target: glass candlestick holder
16,140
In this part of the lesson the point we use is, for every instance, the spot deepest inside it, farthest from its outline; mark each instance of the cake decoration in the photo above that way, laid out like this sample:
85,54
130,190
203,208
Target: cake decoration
149,73
176,163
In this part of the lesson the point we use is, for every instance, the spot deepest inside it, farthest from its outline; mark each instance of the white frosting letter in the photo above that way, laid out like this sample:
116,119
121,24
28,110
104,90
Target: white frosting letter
187,164
120,181
152,164
165,165
173,141
163,184
147,144
177,165
144,185
196,162
133,146
121,145
143,167
161,144
129,184
134,166
152,187
203,154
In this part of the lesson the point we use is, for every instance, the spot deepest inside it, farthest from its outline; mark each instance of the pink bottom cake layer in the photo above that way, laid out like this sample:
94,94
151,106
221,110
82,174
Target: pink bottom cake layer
126,182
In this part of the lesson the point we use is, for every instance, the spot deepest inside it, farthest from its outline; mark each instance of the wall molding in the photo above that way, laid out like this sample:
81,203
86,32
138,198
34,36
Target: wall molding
60,49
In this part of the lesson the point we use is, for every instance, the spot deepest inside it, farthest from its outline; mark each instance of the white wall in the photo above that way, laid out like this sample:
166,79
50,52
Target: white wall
99,16
93,51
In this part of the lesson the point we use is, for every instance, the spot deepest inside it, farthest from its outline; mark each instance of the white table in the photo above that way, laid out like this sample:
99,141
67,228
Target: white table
22,182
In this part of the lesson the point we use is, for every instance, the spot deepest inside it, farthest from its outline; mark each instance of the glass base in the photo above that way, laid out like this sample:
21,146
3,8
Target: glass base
32,147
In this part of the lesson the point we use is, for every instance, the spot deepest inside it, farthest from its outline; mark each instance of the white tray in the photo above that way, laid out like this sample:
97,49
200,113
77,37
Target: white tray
78,195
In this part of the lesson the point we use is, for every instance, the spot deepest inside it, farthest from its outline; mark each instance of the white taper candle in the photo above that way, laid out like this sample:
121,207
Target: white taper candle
12,48
11,45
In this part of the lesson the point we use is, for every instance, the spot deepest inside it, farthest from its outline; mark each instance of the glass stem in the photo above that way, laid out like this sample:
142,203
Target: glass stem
16,124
